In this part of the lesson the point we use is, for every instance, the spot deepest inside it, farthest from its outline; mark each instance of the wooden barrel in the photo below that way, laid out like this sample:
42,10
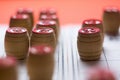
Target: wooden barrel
94,22
50,24
40,63
89,43
49,12
8,68
29,12
16,42
21,20
43,35
111,20
52,17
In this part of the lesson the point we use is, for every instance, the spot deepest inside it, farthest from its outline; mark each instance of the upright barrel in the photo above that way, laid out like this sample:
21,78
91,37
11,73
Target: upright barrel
50,24
29,12
43,35
96,23
40,63
89,43
16,42
111,20
8,69
21,20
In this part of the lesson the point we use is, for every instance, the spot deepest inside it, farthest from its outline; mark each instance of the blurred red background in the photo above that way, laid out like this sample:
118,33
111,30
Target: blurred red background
69,11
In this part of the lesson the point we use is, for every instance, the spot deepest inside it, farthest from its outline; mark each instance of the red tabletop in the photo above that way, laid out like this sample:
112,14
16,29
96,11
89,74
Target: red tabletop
69,11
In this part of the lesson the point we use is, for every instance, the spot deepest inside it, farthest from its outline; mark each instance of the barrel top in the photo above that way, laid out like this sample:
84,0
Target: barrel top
46,23
20,16
48,11
16,30
43,30
25,10
7,62
41,49
92,21
89,30
46,17
111,9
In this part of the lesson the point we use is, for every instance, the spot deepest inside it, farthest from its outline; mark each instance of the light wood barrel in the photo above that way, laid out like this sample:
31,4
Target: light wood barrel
111,20
50,24
8,69
21,20
16,42
29,12
43,35
40,63
94,23
89,43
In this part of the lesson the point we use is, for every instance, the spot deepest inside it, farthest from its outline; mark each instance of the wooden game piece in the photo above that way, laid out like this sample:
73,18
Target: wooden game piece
21,20
51,17
111,20
16,42
89,43
43,35
94,22
8,68
40,63
29,12
51,24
